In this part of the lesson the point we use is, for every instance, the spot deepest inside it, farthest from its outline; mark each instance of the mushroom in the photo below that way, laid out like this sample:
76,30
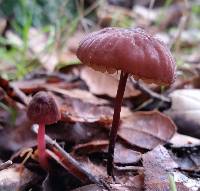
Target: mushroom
133,52
43,110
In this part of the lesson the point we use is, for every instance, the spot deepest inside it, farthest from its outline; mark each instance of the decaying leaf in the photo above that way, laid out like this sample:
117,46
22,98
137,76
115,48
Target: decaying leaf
105,84
90,147
81,106
158,165
146,129
129,182
75,110
124,156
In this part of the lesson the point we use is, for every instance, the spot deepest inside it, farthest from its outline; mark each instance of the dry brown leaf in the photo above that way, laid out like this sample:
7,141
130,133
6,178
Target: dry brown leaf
82,106
79,94
185,111
129,182
19,134
90,147
125,156
13,178
105,84
75,110
158,166
180,140
90,187
146,129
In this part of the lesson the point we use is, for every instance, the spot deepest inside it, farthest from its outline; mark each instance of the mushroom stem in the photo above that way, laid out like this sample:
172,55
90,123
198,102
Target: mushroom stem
42,146
115,122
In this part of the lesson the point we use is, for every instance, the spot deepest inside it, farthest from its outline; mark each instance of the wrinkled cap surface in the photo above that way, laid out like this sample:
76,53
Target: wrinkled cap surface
43,109
130,50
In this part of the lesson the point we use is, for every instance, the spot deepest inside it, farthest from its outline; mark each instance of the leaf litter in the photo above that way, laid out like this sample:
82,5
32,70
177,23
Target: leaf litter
148,149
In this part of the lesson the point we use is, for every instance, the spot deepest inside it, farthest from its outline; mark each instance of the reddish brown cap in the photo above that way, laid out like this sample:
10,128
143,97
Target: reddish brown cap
43,109
130,50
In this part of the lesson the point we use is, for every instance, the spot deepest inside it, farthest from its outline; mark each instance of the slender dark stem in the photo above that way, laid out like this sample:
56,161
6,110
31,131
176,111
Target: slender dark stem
115,122
42,146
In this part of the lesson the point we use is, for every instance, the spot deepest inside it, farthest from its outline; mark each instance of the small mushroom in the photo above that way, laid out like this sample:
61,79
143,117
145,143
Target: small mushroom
43,110
133,52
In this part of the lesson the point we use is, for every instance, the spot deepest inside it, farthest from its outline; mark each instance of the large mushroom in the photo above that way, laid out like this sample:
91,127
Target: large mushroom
43,110
133,52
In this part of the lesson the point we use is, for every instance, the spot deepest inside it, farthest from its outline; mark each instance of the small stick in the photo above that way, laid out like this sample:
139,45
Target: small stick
130,168
74,166
146,90
5,164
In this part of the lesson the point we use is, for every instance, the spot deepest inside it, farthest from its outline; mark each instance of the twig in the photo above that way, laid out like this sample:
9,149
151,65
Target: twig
149,92
71,164
5,164
181,26
129,168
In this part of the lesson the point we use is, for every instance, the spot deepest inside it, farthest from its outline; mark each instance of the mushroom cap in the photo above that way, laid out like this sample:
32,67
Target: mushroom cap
43,109
130,50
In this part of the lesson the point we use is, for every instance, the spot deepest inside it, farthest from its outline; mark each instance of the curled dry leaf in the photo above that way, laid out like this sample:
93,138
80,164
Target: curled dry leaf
102,84
90,147
82,106
74,110
185,111
146,129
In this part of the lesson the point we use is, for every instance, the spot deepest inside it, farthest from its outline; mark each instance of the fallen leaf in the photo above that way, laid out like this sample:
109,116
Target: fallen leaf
79,94
35,85
179,140
90,147
91,187
76,133
105,84
13,178
75,110
187,157
19,134
124,156
185,182
129,182
185,111
82,106
158,165
146,129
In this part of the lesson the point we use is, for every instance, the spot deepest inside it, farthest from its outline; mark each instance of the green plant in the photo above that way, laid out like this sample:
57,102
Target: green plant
172,183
